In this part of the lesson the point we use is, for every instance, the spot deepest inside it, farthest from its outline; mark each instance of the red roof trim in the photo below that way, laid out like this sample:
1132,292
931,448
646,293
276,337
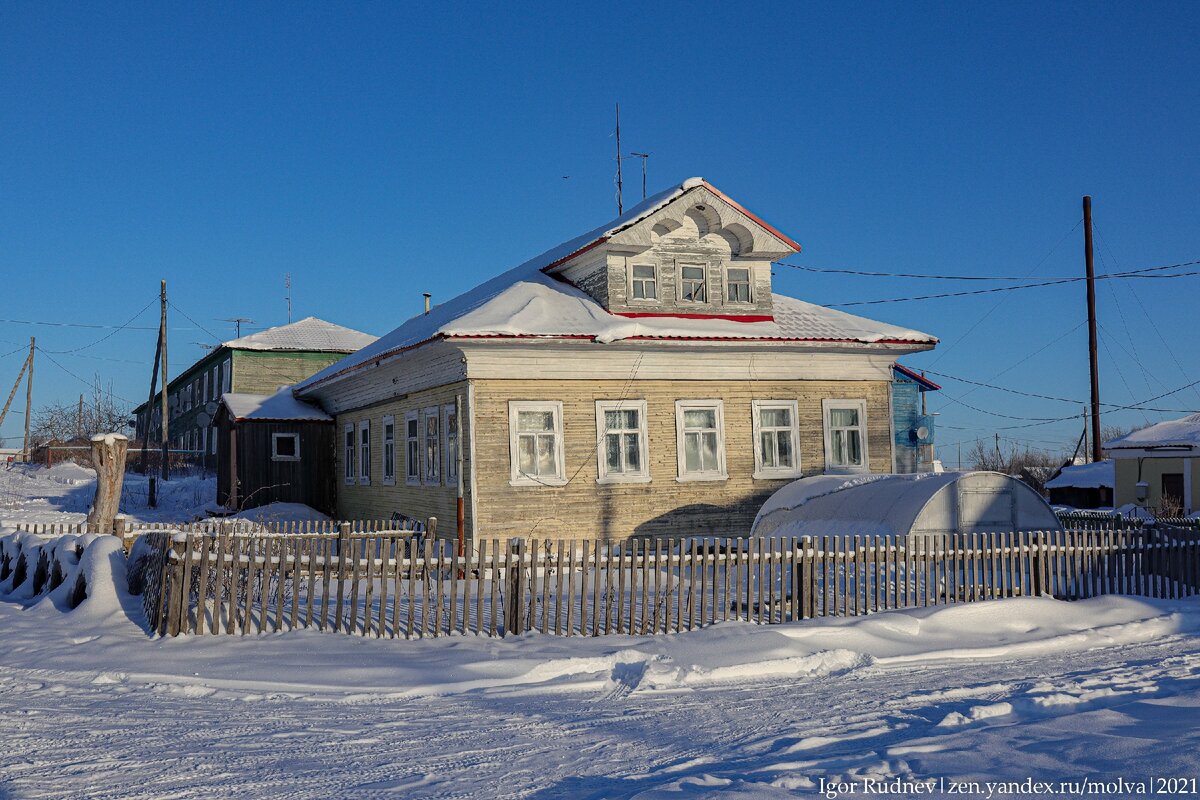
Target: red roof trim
578,252
730,317
916,377
674,338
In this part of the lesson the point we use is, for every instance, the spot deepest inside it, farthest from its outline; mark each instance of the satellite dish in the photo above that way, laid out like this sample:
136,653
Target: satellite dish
210,408
203,419
922,432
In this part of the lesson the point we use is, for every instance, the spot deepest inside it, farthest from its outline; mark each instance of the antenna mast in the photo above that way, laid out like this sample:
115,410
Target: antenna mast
287,280
620,206
643,157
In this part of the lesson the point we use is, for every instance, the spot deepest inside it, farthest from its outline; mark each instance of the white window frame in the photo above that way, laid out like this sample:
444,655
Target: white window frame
349,453
431,475
364,453
749,285
450,473
721,472
275,437
762,472
603,475
226,376
633,279
859,405
707,294
389,452
412,454
516,477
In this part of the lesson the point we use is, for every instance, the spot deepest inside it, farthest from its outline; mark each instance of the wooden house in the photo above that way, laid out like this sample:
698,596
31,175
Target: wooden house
1158,467
273,448
913,443
642,379
1083,485
258,363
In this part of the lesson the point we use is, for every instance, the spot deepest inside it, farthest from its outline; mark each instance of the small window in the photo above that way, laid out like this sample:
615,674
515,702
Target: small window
450,425
364,452
621,435
645,282
737,281
389,451
433,442
226,375
349,454
285,447
845,435
700,438
693,289
412,449
536,443
776,439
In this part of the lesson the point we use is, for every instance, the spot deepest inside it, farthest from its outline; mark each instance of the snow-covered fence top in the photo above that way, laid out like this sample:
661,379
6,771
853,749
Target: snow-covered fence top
65,571
389,584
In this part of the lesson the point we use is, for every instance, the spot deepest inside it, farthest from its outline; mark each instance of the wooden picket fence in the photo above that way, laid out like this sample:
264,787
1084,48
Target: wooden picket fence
392,584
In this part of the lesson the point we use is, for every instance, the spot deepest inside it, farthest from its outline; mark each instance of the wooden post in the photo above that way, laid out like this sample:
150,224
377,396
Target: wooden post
513,612
29,397
108,456
162,338
120,529
1093,358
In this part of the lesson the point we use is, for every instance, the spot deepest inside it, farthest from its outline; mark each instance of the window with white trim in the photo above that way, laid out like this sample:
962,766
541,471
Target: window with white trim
737,284
412,449
776,439
349,454
433,443
621,434
364,452
389,450
845,435
536,443
285,447
226,375
450,425
700,439
643,282
692,284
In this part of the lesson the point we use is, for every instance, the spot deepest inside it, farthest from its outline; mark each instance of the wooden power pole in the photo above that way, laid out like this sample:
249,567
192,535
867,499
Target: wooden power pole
620,202
162,348
29,397
1093,357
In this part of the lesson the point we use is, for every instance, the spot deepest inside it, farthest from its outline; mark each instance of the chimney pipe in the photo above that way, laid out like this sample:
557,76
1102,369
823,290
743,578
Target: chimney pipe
427,296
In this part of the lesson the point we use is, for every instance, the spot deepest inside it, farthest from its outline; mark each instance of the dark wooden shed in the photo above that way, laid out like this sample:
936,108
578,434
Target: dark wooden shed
273,449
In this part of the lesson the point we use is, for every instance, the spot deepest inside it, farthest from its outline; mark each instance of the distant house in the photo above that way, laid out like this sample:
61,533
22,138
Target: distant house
273,448
640,379
258,363
1083,485
914,429
1158,467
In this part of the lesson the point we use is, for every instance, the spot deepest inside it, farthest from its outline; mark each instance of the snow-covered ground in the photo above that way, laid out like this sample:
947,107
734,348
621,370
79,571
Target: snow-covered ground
64,492
1008,691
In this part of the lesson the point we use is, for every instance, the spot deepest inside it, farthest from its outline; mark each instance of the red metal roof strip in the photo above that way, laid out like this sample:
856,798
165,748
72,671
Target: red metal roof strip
931,386
773,230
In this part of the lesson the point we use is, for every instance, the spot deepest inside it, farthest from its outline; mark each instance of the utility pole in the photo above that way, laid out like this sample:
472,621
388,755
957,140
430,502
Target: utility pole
1091,307
150,411
620,206
999,457
1087,447
79,420
287,280
162,349
29,396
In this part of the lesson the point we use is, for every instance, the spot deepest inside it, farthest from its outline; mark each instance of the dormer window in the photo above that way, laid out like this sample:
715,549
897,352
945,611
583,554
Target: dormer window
645,282
693,288
737,283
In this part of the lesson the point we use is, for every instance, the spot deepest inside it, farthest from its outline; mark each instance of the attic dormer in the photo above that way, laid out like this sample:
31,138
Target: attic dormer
690,252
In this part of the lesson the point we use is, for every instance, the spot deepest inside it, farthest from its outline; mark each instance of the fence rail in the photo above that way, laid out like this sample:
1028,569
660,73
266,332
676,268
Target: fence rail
391,583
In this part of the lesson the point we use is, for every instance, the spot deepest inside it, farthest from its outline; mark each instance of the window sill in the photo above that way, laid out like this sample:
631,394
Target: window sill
700,477
364,481
611,479
540,482
387,482
847,470
789,475
412,482
285,458
351,482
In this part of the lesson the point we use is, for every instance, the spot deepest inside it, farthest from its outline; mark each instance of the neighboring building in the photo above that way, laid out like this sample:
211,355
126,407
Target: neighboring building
1083,485
641,379
258,363
914,429
273,448
1158,467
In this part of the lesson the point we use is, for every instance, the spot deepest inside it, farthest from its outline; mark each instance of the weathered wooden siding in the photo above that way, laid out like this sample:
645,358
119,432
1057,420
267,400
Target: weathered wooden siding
584,508
262,480
264,371
906,411
378,500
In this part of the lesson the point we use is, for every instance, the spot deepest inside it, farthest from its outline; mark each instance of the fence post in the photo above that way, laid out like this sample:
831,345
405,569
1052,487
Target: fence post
431,527
343,539
178,602
514,612
120,528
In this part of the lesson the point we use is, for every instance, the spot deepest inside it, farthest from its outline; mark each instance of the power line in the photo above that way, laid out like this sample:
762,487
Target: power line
1047,396
107,336
91,325
76,377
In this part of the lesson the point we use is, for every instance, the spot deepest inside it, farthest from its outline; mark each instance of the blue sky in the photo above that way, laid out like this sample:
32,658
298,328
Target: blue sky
376,151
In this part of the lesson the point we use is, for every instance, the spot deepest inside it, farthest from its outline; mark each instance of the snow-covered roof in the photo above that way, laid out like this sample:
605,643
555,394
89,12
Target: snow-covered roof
1085,476
279,407
527,302
888,505
1183,433
309,334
